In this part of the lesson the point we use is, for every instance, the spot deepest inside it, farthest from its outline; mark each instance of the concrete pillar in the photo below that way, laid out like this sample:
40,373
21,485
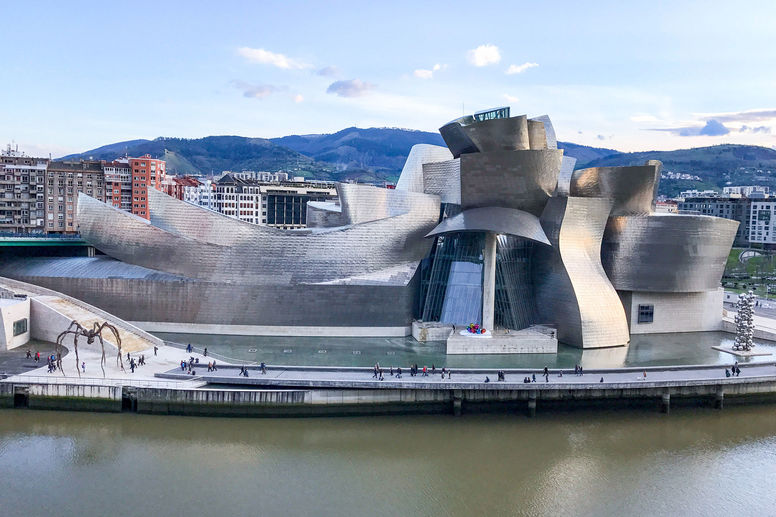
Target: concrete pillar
719,398
665,403
457,403
532,404
489,281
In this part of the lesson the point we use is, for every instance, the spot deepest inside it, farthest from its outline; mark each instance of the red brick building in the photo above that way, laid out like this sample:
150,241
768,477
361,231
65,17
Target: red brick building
146,171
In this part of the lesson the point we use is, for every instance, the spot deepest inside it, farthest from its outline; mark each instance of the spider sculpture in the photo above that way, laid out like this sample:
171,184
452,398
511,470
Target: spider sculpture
90,334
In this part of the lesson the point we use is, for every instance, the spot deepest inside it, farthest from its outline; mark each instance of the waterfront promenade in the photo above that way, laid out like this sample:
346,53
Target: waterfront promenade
336,377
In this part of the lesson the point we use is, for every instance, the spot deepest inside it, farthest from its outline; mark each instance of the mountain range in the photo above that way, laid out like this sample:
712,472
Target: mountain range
378,154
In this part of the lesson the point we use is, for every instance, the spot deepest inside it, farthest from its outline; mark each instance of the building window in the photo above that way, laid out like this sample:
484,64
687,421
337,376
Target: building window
20,327
646,313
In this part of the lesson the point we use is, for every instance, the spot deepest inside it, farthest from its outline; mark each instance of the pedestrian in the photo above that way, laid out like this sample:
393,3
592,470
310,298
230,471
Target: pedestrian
37,356
487,379
602,379
205,353
645,375
581,372
132,366
425,371
533,377
127,356
391,371
738,371
263,368
83,366
727,372
546,371
29,354
398,372
576,369
156,348
381,375
433,368
214,366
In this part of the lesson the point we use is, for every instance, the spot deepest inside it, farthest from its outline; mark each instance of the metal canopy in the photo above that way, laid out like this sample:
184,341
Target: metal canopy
499,220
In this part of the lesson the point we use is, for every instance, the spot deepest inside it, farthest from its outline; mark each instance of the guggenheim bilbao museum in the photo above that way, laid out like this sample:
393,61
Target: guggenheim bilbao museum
498,228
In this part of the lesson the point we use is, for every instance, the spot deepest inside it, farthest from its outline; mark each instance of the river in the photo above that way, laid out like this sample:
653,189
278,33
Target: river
636,462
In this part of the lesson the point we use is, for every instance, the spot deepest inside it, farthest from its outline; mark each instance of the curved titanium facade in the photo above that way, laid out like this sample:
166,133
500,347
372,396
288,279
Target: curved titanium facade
412,176
666,252
213,247
523,180
632,189
506,221
572,289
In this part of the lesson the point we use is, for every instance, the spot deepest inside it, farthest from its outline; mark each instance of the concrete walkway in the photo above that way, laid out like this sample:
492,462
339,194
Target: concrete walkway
332,377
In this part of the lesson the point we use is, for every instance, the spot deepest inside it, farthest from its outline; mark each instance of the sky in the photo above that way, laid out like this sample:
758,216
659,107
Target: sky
623,75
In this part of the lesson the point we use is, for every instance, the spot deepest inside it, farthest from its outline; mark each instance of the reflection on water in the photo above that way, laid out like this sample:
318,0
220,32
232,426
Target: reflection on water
643,350
693,462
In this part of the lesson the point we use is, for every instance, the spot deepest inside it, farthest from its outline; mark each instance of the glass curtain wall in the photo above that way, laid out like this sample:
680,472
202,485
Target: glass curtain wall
514,289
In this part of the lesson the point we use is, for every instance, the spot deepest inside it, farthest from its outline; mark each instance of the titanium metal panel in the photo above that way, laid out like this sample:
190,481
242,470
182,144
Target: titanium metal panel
209,246
159,298
500,134
667,252
523,180
549,131
444,180
537,138
572,289
324,214
412,175
632,189
565,175
456,139
498,220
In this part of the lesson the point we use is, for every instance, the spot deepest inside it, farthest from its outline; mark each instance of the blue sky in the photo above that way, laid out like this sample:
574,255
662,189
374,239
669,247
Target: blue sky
625,75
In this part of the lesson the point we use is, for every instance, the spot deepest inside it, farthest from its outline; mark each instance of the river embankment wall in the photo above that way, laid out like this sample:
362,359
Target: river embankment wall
339,401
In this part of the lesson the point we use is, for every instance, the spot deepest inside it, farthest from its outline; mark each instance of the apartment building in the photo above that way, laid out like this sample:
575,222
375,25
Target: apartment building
280,205
202,194
22,192
118,184
175,186
146,172
64,180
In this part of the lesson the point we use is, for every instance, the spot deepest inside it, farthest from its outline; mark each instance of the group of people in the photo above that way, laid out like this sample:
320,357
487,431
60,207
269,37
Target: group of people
578,369
190,365
135,363
377,372
211,367
54,362
734,371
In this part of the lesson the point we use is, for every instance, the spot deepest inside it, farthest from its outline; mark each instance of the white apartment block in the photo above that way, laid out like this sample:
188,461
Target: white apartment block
762,226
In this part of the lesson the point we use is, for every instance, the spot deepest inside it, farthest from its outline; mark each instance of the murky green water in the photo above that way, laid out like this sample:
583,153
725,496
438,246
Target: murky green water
693,462
644,350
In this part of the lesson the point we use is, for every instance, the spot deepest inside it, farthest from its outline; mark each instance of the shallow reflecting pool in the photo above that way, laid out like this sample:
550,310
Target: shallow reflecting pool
644,350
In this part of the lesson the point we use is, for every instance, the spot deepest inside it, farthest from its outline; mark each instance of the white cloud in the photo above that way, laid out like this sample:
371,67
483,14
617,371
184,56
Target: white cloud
484,55
350,88
423,73
265,57
511,98
298,98
519,69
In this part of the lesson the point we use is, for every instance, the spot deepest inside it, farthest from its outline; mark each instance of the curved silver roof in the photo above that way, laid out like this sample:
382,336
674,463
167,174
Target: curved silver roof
505,221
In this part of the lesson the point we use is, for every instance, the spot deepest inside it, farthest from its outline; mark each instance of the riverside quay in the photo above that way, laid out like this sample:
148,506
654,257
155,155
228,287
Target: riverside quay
498,229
